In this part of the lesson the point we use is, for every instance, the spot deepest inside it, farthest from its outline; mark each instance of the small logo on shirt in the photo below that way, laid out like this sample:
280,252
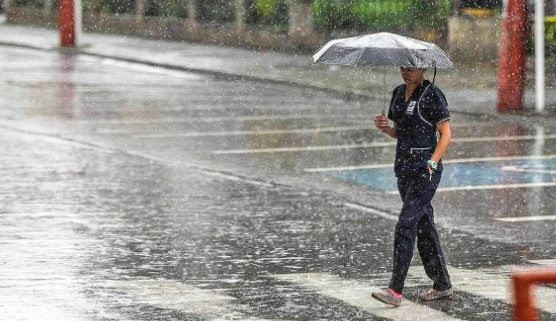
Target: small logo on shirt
410,108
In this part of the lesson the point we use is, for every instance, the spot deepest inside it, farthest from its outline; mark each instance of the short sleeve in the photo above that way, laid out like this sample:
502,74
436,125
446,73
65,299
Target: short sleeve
392,100
439,108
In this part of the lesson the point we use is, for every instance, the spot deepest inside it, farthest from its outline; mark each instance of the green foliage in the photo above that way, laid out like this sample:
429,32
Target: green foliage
118,6
87,5
329,15
215,11
167,8
550,35
268,13
28,3
377,15
173,8
266,7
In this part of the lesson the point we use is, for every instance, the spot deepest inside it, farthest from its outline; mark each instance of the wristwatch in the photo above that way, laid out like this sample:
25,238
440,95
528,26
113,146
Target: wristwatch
432,164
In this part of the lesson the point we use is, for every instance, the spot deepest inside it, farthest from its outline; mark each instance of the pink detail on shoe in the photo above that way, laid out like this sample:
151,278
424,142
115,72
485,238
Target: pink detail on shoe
394,293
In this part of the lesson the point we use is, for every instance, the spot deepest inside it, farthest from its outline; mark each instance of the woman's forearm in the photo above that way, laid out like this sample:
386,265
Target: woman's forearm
443,141
441,148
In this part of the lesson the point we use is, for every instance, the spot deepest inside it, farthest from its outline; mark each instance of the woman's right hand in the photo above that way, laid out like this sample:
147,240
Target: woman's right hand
381,122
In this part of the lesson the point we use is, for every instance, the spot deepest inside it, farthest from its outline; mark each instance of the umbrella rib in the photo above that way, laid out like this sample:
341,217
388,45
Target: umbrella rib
359,58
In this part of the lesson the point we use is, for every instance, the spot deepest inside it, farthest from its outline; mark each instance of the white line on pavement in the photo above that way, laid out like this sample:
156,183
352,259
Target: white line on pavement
57,140
348,168
528,170
502,138
178,120
372,145
358,294
372,211
221,119
484,187
181,297
547,262
472,124
256,132
501,186
302,149
235,178
527,218
247,106
445,161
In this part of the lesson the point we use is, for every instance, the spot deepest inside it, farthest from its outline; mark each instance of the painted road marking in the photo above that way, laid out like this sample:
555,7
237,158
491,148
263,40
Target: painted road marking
445,161
484,187
372,211
178,120
248,107
224,119
235,178
503,138
547,263
373,145
301,149
472,124
393,217
527,218
530,170
55,139
181,297
494,285
358,294
465,175
256,132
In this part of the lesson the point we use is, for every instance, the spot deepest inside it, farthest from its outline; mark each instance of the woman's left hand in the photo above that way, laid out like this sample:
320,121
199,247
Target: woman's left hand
430,169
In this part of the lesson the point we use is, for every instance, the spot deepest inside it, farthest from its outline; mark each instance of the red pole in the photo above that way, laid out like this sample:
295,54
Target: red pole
67,23
524,309
512,57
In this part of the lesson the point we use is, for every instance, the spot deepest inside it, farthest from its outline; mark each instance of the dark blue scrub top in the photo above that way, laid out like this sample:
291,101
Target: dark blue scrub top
416,121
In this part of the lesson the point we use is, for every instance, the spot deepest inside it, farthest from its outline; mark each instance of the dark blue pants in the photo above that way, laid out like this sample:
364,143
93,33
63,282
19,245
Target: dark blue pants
417,220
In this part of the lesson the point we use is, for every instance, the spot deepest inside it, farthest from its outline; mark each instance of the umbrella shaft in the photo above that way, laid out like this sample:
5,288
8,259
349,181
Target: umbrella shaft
384,91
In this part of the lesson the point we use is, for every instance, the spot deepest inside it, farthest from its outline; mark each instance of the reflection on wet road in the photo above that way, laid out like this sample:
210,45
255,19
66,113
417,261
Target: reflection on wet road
133,193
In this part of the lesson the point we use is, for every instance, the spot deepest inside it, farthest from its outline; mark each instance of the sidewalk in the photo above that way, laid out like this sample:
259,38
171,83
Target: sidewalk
470,89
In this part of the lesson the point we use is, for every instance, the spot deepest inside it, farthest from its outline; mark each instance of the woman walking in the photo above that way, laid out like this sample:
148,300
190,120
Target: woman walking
418,110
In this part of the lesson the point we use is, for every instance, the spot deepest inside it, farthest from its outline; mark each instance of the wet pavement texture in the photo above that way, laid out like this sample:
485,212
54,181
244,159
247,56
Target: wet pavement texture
472,85
138,193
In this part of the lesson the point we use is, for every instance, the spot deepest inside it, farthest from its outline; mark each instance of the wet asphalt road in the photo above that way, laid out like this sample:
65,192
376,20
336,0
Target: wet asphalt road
136,193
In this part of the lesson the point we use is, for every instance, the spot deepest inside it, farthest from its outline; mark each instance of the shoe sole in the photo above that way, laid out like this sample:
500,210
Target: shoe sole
437,298
396,304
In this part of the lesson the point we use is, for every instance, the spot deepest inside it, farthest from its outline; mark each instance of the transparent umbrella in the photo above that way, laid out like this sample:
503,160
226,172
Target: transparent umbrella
383,49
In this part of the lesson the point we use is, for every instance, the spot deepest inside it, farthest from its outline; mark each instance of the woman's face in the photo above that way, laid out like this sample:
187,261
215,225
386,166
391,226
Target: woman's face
412,75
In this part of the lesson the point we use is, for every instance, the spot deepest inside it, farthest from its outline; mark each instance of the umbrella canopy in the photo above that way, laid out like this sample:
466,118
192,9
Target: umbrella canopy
383,49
